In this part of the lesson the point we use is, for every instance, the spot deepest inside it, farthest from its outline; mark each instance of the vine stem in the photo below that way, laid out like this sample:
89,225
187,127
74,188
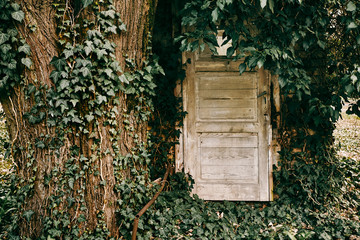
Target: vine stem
143,210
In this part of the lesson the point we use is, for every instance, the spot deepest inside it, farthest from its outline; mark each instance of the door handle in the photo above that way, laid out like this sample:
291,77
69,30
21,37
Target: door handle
262,94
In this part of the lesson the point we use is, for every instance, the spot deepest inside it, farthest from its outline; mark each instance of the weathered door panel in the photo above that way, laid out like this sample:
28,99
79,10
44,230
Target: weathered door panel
226,138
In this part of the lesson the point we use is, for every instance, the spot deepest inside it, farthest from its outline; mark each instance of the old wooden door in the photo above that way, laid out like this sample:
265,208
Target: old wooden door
226,130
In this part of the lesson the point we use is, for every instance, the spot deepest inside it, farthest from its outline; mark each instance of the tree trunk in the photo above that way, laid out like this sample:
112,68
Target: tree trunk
67,170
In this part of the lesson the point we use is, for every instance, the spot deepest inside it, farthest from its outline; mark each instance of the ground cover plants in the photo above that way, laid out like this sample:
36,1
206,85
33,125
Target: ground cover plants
177,215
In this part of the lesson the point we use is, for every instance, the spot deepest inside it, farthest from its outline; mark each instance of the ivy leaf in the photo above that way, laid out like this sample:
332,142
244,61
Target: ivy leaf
92,88
71,182
85,71
220,5
108,72
263,3
260,63
58,63
242,68
325,236
306,45
148,77
25,49
5,48
88,50
32,119
253,61
18,15
86,3
122,27
64,74
111,93
123,79
215,15
210,226
112,29
40,144
352,25
86,63
282,82
12,32
64,84
63,107
230,51
12,64
70,201
148,69
27,62
101,99
351,7
321,44
89,117
290,235
27,215
4,37
15,6
68,53
354,79
108,46
81,218
110,13
151,85
74,102
271,5
100,53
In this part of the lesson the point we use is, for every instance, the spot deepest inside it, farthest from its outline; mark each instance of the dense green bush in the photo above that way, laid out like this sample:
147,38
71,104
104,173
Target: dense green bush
177,215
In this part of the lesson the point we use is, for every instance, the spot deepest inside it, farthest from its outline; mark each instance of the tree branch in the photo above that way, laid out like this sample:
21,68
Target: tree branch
142,211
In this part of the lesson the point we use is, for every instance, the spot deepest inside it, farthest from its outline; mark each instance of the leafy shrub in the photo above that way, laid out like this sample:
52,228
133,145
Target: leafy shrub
177,215
8,204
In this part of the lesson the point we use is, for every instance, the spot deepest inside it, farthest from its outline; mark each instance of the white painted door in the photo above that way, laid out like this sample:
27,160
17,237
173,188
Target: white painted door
226,130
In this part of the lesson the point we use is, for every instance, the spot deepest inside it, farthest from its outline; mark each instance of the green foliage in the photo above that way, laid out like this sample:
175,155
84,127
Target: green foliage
87,93
168,114
176,215
13,50
319,195
303,43
9,205
313,48
88,80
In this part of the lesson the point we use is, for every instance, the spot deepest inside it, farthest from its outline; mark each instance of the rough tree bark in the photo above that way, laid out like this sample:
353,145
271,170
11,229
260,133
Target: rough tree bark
34,164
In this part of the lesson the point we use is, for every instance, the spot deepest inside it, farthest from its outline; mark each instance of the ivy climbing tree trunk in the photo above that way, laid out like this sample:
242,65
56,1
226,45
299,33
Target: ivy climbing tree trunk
76,118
